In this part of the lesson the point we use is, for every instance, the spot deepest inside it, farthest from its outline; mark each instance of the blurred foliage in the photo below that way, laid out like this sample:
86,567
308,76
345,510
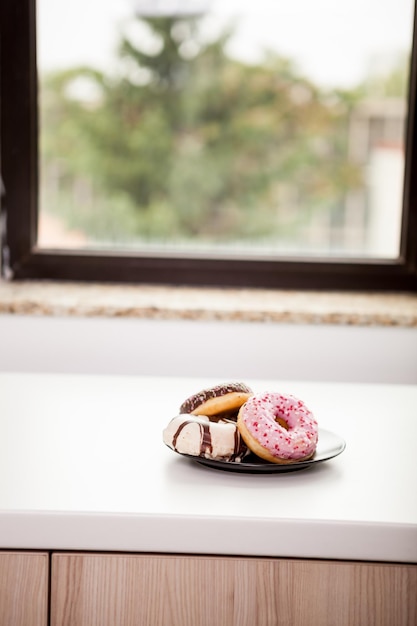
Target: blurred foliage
185,142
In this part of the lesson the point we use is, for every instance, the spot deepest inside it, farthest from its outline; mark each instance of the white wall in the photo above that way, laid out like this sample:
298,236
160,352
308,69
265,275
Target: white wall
208,349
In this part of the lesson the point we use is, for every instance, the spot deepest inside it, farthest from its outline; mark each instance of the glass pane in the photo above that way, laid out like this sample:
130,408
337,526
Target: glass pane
223,127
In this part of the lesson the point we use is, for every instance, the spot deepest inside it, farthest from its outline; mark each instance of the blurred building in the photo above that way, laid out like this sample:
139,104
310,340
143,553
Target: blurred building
376,143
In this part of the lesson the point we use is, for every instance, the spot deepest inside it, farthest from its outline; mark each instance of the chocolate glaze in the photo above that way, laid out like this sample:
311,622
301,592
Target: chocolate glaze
191,403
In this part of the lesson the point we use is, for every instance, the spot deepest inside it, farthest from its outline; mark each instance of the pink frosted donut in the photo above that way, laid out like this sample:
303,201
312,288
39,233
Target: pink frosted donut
278,428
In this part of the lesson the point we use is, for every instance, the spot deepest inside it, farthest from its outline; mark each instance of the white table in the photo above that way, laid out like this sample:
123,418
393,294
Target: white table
83,467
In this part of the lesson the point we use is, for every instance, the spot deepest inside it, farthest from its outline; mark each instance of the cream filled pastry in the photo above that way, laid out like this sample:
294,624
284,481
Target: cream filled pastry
197,435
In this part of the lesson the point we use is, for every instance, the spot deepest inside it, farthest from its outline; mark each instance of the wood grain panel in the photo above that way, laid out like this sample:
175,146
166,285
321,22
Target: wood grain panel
158,590
23,589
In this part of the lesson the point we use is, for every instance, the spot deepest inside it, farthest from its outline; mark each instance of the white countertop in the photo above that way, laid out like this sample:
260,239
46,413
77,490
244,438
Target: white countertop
83,467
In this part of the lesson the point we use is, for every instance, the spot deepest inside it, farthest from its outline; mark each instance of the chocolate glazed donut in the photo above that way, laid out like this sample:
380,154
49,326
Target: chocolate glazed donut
219,400
207,424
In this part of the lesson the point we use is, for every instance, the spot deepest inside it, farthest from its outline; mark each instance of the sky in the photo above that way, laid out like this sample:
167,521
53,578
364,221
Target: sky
335,43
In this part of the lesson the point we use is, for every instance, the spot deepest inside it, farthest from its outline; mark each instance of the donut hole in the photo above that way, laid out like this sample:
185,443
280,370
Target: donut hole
282,422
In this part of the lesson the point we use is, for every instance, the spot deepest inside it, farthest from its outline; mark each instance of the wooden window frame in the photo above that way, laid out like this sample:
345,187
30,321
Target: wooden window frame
22,259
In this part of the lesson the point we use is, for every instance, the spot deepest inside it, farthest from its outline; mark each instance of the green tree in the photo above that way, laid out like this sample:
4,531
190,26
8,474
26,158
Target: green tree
192,143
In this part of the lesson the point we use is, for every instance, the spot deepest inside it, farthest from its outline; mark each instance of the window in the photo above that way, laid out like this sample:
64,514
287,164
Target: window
266,158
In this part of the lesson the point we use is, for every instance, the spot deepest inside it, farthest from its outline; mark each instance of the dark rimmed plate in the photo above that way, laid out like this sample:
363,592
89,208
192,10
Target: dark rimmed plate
329,445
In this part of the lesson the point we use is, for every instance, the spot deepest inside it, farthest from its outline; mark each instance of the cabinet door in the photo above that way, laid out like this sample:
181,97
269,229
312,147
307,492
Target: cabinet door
23,589
158,590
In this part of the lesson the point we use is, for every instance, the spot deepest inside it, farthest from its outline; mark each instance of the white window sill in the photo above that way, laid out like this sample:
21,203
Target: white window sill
186,303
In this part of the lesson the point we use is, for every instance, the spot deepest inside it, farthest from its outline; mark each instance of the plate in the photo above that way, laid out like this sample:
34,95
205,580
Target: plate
329,445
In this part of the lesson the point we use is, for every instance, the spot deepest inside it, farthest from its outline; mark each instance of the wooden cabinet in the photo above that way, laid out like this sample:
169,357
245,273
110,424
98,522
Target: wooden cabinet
94,589
23,589
171,590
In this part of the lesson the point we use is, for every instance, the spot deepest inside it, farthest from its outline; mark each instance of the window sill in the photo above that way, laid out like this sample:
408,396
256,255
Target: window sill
210,304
